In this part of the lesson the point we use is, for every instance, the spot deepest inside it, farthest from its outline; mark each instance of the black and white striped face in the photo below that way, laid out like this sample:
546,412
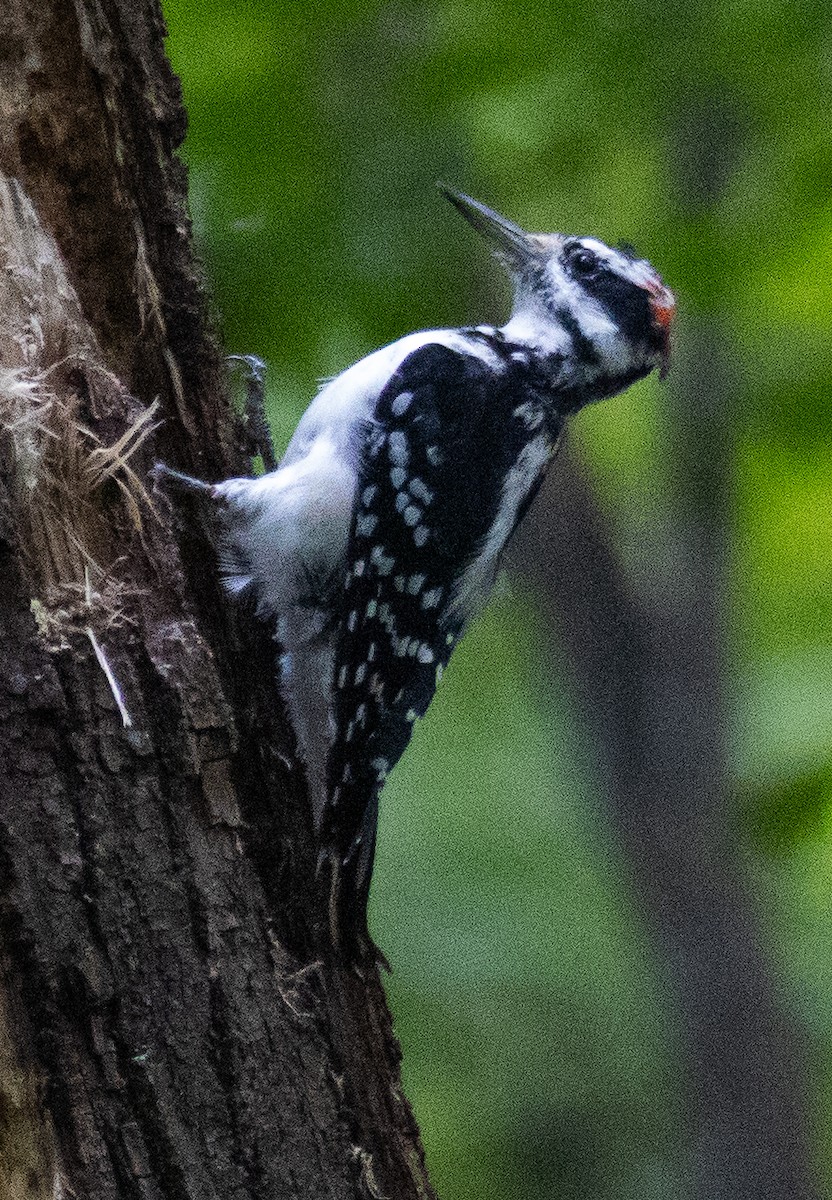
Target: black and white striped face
614,306
607,310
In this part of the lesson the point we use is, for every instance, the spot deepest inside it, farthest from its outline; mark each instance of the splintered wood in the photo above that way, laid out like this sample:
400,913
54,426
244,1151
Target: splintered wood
52,383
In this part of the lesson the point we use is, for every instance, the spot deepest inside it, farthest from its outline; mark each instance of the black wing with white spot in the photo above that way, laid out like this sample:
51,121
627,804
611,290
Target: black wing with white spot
448,429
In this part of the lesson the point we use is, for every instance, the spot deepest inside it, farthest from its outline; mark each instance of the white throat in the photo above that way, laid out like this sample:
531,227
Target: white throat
531,327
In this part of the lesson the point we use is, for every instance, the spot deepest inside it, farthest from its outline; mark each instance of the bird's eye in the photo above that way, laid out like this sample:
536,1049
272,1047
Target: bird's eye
583,261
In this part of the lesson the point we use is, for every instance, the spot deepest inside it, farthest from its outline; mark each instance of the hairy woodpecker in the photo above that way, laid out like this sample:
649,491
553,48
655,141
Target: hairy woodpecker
379,535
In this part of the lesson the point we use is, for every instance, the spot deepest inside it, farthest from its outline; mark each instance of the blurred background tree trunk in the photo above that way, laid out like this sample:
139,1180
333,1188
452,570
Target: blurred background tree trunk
170,1024
649,662
647,672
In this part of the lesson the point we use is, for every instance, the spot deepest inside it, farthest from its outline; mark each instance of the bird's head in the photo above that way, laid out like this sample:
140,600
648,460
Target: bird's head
605,309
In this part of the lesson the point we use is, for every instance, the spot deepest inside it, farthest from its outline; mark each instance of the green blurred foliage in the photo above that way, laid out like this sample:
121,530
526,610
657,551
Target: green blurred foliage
537,1048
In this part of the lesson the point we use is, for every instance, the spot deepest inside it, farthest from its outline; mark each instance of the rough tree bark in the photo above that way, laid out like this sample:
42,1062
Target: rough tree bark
171,1021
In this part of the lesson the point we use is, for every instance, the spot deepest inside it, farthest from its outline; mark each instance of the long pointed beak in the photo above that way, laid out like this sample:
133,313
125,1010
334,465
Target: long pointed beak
510,241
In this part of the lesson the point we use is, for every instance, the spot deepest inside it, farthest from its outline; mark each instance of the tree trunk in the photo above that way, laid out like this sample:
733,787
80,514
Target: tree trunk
172,1023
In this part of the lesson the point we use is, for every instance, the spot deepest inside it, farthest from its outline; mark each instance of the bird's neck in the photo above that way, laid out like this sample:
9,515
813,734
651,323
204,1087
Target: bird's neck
545,338
582,363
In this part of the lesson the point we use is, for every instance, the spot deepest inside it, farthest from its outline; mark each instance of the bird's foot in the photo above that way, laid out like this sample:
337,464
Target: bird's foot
255,424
